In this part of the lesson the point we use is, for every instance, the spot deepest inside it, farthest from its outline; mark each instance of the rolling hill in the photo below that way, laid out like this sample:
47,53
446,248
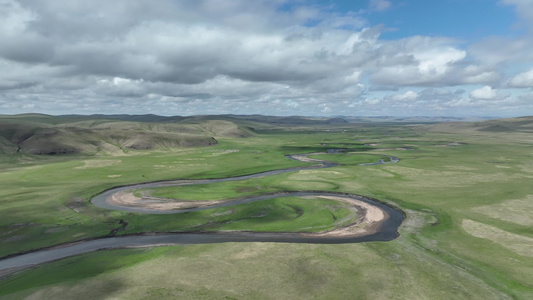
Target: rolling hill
49,135
42,134
520,124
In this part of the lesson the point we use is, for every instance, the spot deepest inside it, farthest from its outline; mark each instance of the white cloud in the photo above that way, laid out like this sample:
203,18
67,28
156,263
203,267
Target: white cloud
373,101
14,18
487,93
473,74
407,96
437,61
524,9
195,57
425,61
522,80
496,50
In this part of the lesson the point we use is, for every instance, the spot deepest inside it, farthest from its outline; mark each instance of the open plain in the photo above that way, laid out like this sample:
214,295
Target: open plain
464,189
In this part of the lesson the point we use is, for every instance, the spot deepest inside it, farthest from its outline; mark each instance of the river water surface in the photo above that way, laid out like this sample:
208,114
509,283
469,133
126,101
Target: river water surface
386,231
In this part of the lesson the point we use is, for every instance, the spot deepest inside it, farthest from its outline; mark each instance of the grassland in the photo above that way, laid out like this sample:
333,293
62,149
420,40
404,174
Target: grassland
466,190
352,158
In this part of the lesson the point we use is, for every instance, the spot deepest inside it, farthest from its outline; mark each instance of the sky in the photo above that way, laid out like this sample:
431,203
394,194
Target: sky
454,58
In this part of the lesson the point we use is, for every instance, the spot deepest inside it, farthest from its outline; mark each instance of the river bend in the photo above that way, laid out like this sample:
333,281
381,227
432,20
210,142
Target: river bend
387,229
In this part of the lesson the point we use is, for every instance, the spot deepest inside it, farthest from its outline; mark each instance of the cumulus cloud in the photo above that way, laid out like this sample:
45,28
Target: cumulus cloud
213,56
496,50
426,61
487,93
407,96
522,80
524,9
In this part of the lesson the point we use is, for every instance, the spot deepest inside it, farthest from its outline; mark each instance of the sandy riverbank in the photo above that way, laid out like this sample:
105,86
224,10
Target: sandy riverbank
368,220
127,198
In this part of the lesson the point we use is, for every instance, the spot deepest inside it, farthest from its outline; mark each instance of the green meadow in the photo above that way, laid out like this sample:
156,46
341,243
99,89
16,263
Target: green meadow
351,158
465,189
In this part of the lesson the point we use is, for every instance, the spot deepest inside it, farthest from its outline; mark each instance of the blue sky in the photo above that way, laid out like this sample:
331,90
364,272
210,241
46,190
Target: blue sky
278,57
464,19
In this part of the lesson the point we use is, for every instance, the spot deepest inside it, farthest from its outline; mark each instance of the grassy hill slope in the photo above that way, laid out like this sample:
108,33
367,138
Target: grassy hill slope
522,124
42,134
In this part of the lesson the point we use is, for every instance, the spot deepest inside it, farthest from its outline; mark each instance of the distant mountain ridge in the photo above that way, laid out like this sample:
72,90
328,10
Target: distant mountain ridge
133,118
174,119
71,134
509,125
303,120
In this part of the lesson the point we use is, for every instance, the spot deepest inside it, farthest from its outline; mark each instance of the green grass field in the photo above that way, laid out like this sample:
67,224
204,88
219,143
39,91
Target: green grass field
467,195
351,158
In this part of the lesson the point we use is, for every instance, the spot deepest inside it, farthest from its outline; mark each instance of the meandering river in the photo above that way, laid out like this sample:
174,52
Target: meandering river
386,229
